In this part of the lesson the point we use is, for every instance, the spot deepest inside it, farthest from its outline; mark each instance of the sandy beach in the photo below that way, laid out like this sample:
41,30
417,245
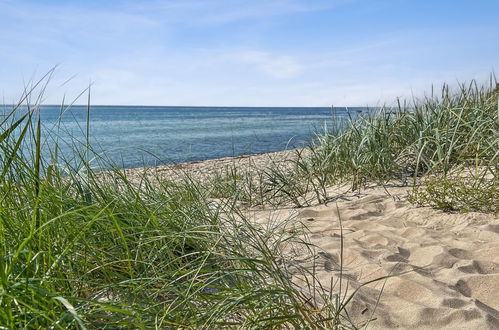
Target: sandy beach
450,261
444,266
206,170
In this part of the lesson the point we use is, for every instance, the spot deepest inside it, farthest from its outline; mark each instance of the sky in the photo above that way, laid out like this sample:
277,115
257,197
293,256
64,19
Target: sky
245,52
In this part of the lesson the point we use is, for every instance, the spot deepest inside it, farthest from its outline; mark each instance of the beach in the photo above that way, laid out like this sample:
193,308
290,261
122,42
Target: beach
442,268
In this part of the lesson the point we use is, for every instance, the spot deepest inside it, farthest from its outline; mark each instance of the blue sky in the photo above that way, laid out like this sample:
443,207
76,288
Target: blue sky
246,52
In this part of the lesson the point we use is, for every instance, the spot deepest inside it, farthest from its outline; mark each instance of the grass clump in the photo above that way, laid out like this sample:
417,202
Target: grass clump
458,194
430,135
438,135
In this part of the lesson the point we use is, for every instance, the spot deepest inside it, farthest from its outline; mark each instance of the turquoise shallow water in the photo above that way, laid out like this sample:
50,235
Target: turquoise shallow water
134,136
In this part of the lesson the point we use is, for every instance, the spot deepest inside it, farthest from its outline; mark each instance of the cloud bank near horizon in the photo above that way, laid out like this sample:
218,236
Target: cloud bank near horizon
246,53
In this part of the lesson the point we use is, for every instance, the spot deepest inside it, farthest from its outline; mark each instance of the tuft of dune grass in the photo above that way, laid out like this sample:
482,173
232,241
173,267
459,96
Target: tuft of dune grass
439,136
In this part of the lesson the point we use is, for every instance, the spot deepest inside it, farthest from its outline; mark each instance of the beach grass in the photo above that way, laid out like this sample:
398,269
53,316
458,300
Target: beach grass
429,144
81,249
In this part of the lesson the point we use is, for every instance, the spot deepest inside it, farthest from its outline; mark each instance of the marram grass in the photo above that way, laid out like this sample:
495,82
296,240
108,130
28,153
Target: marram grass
440,136
87,251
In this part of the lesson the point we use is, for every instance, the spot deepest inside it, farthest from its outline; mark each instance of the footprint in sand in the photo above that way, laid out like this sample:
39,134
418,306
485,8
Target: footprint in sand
460,254
454,303
366,215
493,228
480,267
330,261
481,287
444,260
429,315
375,208
401,256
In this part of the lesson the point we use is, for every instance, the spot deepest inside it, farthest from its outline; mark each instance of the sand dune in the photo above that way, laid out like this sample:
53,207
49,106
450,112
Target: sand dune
451,261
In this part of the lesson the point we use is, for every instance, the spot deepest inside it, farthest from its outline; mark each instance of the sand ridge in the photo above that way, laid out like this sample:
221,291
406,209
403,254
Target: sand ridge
451,261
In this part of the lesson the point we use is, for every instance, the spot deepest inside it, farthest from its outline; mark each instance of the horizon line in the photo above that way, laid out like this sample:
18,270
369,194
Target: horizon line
191,106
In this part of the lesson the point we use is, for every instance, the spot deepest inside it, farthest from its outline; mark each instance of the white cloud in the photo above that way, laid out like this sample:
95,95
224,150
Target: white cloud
276,66
220,11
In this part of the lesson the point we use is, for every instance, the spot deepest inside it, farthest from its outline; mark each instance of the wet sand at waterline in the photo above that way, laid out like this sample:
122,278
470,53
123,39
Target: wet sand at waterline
449,262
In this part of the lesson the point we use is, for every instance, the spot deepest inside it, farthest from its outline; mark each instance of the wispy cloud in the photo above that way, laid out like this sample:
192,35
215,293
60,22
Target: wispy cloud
276,66
259,52
220,11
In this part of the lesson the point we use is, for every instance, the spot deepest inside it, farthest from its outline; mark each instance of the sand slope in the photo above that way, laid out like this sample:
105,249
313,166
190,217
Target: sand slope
452,259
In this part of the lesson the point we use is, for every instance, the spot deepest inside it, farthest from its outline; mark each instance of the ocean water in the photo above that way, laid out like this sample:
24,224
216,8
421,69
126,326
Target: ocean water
135,136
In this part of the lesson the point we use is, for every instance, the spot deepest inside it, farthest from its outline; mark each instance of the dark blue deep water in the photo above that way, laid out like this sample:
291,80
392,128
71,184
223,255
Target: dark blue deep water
134,136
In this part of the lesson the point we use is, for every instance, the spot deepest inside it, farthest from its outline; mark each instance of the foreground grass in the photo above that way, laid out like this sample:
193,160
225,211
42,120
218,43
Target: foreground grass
85,250
137,259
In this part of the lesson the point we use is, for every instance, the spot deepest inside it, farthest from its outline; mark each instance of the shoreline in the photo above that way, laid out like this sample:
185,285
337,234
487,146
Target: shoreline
204,169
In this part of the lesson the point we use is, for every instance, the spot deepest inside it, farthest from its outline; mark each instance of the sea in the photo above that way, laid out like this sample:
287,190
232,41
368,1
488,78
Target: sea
137,136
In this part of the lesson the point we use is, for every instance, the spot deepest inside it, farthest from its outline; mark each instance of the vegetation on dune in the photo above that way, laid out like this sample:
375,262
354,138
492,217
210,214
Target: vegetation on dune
437,138
442,136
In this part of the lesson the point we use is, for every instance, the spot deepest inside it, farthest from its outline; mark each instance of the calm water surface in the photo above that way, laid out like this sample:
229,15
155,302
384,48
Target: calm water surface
134,136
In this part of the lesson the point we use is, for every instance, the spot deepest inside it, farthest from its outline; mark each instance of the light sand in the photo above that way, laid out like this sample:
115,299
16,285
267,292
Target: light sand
452,259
